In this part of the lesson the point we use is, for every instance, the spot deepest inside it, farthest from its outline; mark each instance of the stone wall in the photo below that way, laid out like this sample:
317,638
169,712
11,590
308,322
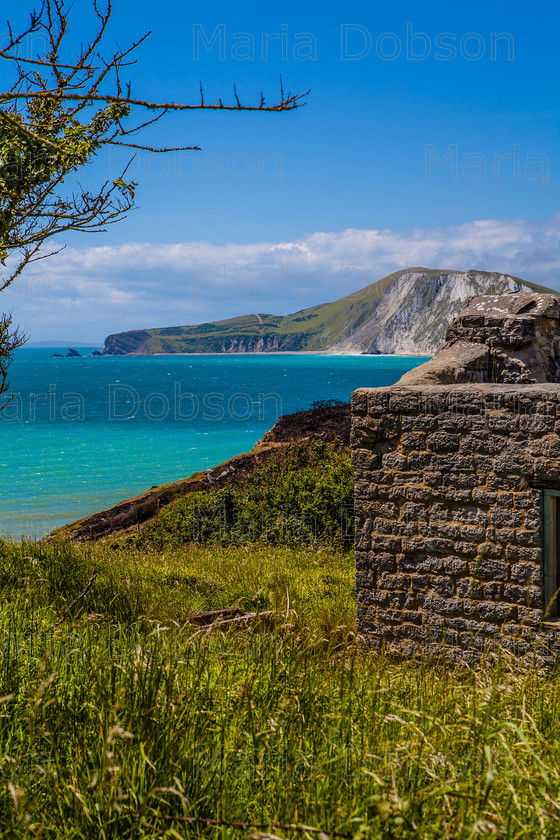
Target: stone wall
449,497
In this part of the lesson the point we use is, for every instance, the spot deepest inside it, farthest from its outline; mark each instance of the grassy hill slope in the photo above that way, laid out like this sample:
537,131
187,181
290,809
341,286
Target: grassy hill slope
355,323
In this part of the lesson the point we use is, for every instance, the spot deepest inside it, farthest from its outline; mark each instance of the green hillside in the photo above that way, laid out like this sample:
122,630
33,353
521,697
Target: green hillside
316,328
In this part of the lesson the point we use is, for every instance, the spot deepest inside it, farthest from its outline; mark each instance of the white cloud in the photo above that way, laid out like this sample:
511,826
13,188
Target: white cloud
87,293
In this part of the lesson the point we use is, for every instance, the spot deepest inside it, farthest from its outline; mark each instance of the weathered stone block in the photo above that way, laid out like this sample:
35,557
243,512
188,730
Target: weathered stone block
385,543
447,530
516,464
383,526
459,423
411,617
403,403
471,513
452,494
455,566
475,533
365,459
547,446
489,569
409,477
528,539
493,591
413,510
410,631
465,401
437,604
528,499
482,443
382,509
359,403
364,580
529,596
362,560
438,545
483,464
533,519
412,545
526,573
467,549
421,460
389,616
439,512
397,581
537,423
505,516
365,490
377,402
443,441
393,460
497,421
492,551
490,611
420,563
420,582
385,492
452,462
485,643
528,615
384,561
546,407
470,589
417,422
505,499
547,469
433,403
452,479
483,496
514,553
419,494
406,528
442,585
471,626
413,442
507,482
504,535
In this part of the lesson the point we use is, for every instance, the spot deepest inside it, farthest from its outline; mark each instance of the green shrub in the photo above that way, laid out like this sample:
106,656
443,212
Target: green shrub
304,495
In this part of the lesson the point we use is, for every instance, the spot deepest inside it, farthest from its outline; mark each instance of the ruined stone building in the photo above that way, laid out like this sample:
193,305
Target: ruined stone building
457,489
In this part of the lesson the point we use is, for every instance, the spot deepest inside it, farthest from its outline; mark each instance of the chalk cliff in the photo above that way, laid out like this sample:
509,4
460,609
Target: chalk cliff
405,313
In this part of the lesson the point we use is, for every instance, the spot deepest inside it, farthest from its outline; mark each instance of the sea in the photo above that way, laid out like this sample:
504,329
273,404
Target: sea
81,434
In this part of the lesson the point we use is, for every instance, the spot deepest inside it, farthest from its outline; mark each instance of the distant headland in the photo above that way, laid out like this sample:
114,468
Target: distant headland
405,313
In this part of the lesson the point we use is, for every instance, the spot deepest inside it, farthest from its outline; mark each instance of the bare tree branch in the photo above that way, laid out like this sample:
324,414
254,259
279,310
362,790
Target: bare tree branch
288,103
55,117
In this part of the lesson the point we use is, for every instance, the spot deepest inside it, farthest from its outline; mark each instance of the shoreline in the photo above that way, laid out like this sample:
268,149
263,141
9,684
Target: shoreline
275,353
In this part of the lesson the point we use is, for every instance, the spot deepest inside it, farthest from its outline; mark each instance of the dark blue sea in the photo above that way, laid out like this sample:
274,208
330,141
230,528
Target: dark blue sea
81,434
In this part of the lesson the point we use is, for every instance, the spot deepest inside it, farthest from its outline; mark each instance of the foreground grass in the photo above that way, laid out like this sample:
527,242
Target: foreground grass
119,719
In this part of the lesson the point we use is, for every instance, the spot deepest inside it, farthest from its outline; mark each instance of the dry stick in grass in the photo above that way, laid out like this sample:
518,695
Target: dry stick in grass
79,598
244,825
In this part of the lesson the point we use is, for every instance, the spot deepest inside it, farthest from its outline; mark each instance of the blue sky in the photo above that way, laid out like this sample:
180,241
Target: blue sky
355,178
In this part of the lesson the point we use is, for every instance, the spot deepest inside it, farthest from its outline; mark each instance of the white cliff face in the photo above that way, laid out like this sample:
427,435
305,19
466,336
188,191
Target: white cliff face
405,313
414,312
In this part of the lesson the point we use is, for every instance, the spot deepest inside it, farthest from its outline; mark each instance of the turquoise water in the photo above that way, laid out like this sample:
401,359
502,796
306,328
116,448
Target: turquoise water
80,434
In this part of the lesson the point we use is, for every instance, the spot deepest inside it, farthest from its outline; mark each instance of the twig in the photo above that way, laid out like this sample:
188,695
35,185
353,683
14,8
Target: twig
152,148
288,104
79,598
